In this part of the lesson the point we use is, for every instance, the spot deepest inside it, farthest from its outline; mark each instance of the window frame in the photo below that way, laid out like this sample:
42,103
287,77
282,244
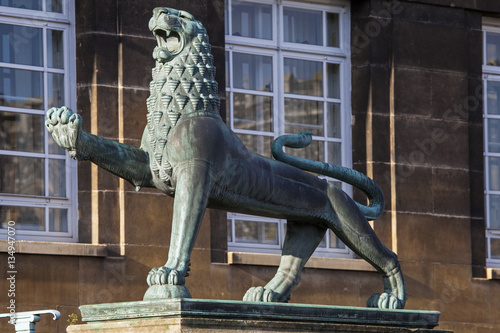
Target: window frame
46,21
279,50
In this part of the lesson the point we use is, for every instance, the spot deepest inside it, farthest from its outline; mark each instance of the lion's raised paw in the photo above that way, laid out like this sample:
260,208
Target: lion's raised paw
260,294
65,127
164,275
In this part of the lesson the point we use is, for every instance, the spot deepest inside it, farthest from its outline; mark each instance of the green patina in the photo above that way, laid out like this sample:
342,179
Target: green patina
189,153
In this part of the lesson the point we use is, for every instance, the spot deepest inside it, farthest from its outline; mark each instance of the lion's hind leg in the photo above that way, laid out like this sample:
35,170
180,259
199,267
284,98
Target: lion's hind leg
350,225
300,242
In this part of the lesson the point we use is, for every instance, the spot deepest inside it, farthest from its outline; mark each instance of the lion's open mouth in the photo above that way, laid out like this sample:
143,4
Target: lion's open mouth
169,39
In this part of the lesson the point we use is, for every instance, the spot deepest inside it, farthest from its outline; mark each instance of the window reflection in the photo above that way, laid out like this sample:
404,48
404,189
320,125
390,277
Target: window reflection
494,173
303,115
494,135
22,175
492,49
22,132
302,26
303,77
252,20
253,112
21,45
58,220
55,52
27,218
493,96
332,30
24,4
253,72
494,211
21,88
256,232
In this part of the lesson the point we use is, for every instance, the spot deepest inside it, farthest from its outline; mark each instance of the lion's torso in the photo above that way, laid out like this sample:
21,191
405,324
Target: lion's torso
184,126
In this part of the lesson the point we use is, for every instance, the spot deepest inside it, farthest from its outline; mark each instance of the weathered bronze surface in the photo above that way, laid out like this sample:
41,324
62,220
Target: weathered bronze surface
188,152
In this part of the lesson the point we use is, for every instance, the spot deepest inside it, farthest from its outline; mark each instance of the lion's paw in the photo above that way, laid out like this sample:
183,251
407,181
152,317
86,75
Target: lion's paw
164,275
385,301
65,127
260,294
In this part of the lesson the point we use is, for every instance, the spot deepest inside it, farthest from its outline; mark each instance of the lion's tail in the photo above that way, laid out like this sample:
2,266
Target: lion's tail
350,176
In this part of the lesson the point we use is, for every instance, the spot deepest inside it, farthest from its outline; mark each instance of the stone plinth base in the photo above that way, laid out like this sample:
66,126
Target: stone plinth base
192,315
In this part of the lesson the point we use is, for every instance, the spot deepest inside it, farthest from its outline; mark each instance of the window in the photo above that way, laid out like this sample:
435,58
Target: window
37,178
287,70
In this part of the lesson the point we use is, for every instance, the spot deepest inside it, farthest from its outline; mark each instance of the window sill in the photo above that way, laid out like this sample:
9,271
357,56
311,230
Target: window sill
243,258
53,248
493,273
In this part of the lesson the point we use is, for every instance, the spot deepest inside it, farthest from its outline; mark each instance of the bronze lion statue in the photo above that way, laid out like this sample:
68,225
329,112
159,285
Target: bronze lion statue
188,152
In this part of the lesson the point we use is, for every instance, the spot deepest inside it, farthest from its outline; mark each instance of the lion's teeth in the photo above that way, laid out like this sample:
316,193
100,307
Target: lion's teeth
167,32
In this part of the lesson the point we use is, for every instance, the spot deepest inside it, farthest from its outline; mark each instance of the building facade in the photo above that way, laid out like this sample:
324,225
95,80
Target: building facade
403,91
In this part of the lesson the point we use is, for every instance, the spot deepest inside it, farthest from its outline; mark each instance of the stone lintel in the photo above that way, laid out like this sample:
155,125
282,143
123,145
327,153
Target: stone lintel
235,316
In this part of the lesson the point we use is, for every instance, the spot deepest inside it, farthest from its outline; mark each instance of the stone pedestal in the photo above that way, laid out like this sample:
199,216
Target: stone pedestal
194,315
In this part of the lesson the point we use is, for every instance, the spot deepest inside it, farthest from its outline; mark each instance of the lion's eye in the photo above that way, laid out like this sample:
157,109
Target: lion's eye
186,15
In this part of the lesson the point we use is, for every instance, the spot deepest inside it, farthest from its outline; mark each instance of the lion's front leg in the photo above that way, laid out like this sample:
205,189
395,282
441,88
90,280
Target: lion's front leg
123,160
193,182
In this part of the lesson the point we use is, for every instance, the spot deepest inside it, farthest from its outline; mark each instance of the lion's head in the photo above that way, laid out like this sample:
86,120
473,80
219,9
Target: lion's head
173,29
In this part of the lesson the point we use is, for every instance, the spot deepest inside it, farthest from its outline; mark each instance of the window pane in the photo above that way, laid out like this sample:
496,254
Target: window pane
253,72
256,232
55,89
252,20
495,248
322,244
26,218
57,178
303,77
58,220
54,6
21,175
25,4
55,52
493,96
494,173
332,73
335,243
21,88
302,26
226,18
494,135
492,49
253,112
257,143
22,132
303,115
494,211
334,153
228,74
315,151
332,30
229,231
21,45
333,120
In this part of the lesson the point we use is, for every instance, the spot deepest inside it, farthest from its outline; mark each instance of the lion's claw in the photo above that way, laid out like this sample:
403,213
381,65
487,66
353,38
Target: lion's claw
164,275
65,127
260,294
384,301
